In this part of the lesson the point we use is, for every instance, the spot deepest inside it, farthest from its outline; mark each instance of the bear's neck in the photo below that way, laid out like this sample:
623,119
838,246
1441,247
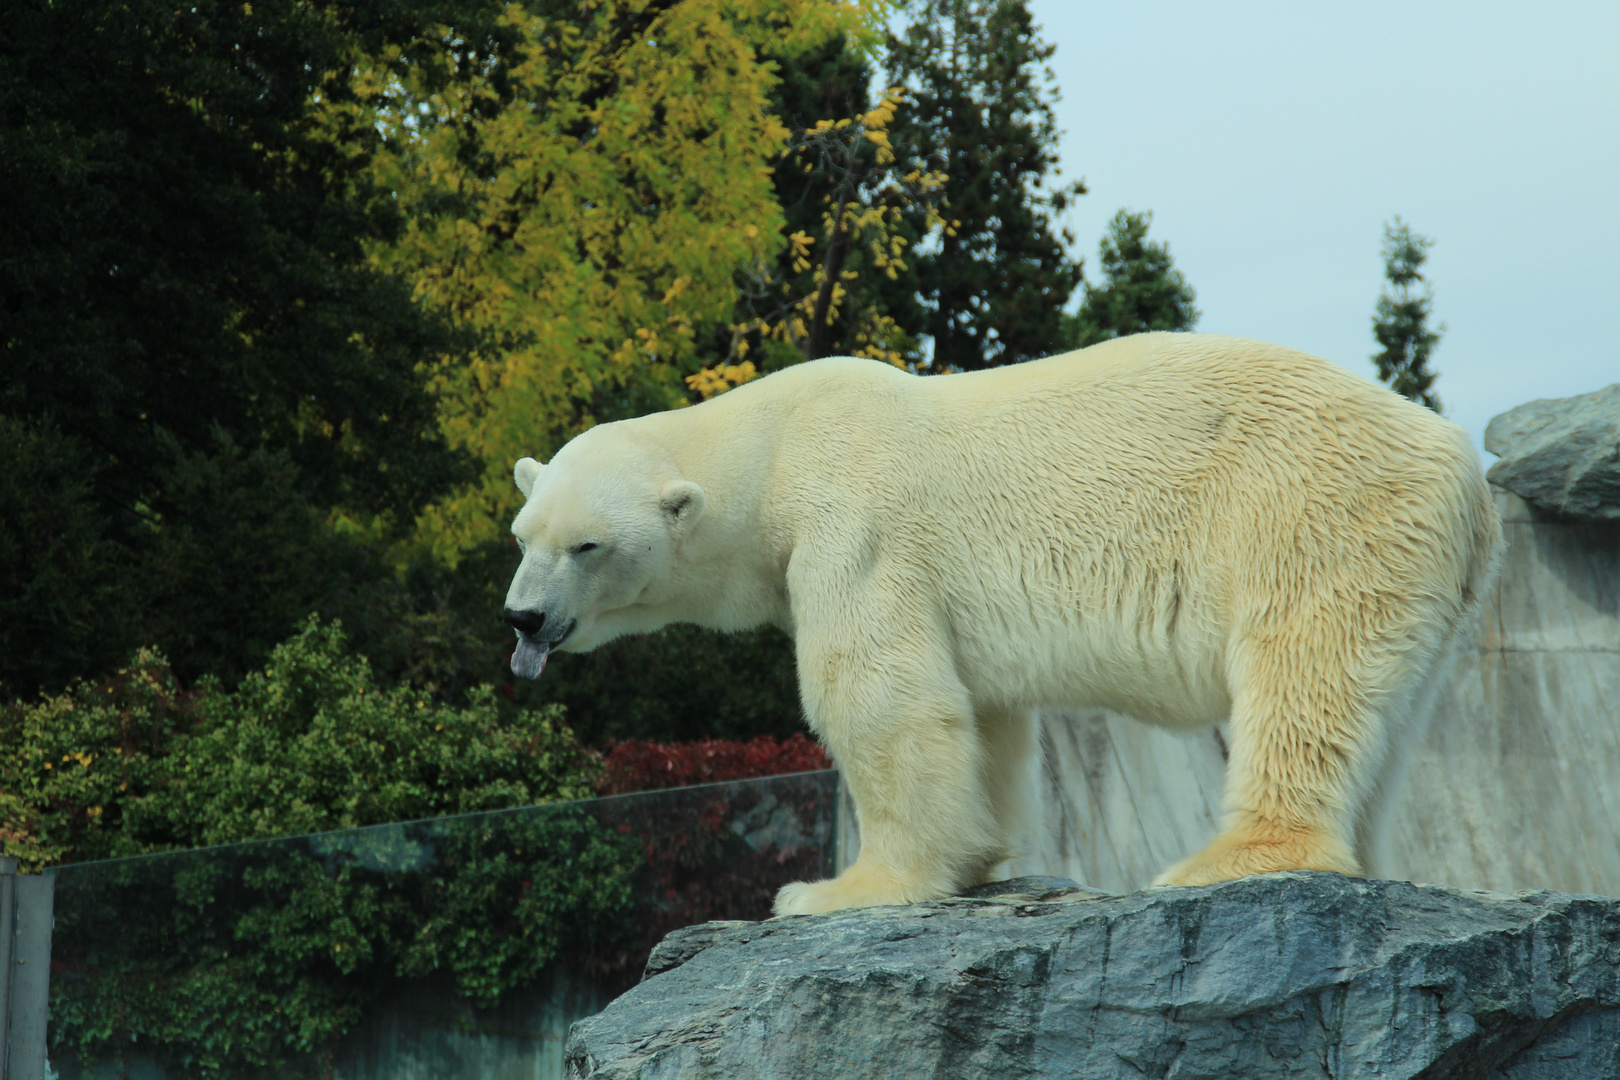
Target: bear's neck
733,566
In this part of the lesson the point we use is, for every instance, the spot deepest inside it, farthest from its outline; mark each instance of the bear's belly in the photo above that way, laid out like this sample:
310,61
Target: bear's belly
1171,683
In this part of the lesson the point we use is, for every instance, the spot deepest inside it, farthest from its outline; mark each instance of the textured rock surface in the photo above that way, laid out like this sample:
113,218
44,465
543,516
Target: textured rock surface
1290,975
1562,455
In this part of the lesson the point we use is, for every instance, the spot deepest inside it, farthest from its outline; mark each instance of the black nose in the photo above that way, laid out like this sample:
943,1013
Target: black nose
527,623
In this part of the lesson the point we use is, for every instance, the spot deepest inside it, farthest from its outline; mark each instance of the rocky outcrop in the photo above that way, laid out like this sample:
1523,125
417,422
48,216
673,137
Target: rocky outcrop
1290,975
1561,455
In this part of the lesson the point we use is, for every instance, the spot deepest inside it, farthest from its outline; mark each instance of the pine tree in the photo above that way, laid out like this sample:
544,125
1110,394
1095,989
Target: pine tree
980,111
1401,322
1141,288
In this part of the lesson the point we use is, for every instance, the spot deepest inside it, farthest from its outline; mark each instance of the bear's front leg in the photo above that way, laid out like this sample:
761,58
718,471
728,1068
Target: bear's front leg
900,725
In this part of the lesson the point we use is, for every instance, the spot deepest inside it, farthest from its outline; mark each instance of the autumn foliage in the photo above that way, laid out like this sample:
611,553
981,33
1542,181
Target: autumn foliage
582,200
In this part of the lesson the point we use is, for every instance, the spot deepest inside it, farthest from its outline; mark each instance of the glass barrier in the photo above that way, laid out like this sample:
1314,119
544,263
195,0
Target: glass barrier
447,948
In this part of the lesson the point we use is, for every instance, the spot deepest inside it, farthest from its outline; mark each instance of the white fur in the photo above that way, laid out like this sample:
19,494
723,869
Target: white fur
1186,528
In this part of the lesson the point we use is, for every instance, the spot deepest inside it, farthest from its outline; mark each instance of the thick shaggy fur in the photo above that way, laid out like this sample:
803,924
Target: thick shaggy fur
1186,528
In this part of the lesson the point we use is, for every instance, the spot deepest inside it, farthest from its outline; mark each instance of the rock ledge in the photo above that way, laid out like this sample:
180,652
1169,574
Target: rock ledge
1295,975
1561,455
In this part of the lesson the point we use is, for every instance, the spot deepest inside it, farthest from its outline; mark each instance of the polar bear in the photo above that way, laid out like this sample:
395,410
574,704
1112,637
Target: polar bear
1186,528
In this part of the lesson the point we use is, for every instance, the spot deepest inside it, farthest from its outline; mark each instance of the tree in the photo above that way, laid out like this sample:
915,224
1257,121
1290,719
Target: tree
978,110
835,282
1141,288
59,574
183,248
585,190
186,309
776,322
1401,319
584,208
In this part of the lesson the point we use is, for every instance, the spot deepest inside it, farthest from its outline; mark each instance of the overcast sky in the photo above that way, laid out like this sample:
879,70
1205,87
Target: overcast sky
1272,141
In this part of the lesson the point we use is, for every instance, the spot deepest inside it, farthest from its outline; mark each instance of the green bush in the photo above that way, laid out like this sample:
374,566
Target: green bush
253,960
135,764
237,962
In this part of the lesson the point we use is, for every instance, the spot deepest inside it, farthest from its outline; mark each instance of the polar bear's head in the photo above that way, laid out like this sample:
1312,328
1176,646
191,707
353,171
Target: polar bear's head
600,534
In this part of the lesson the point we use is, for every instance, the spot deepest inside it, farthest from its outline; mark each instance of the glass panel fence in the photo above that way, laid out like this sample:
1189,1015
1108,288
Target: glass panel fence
447,948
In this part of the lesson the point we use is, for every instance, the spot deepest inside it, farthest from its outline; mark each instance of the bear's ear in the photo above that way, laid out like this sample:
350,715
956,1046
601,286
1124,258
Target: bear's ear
683,501
525,472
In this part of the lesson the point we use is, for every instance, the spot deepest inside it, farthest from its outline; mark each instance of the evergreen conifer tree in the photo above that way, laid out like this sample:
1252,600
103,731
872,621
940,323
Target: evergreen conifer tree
1401,322
980,111
201,366
1141,288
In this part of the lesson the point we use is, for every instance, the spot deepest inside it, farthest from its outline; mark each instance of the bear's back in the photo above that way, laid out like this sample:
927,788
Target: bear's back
1128,418
1094,496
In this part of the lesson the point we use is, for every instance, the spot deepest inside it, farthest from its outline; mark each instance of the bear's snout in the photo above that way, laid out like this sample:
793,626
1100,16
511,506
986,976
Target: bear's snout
527,623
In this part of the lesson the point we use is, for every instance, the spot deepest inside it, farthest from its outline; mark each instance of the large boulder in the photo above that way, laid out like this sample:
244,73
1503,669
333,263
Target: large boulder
1295,975
1561,455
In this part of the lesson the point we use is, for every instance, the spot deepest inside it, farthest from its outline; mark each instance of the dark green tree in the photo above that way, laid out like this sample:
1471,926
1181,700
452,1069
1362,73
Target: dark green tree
830,83
994,289
1401,320
59,576
190,326
1141,288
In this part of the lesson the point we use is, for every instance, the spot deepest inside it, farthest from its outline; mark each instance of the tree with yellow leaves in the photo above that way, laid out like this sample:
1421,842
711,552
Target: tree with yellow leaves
585,199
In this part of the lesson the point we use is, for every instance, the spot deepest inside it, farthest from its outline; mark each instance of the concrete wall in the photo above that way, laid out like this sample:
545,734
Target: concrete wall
427,1033
1517,785
430,1034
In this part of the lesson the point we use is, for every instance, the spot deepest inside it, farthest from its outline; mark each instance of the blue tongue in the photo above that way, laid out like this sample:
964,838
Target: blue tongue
529,659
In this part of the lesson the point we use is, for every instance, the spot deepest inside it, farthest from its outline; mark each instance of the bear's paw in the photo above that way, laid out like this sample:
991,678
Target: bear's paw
859,886
1240,853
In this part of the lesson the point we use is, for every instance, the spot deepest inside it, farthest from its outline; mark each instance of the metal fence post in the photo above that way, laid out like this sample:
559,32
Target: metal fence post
8,925
27,910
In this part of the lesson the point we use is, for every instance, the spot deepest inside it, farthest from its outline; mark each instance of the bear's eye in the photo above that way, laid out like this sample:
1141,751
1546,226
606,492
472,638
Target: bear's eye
580,549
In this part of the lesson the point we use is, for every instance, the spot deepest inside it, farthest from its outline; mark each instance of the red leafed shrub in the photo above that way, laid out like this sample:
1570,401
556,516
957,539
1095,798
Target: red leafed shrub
714,854
640,765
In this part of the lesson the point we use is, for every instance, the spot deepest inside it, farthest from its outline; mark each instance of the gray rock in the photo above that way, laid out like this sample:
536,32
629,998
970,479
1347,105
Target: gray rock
1295,975
1561,455
679,947
1034,887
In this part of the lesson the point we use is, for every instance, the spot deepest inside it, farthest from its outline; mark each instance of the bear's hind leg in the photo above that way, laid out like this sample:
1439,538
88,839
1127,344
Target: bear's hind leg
1307,738
901,728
